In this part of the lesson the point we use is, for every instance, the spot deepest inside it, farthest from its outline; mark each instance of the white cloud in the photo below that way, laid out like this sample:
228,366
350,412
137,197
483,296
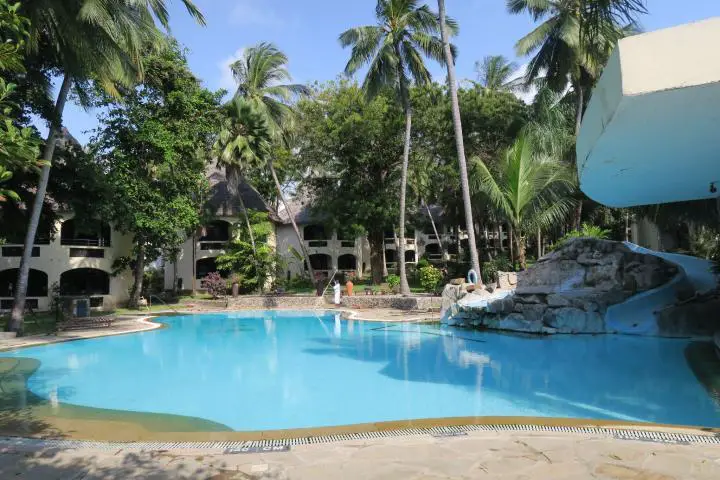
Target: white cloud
255,12
226,77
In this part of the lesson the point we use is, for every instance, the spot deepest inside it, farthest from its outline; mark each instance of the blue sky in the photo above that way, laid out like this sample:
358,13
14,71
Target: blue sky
307,31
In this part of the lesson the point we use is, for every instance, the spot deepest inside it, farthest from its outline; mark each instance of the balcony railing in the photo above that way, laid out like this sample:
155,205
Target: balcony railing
316,243
214,245
347,243
85,242
389,241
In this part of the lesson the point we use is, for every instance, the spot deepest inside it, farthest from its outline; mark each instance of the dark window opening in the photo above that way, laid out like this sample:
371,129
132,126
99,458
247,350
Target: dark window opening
347,262
87,252
37,283
207,265
85,281
314,232
320,261
92,233
18,251
390,256
410,256
216,231
96,302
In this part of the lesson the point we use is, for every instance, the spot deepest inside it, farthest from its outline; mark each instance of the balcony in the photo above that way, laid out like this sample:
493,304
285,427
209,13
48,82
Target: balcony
214,245
347,243
85,242
317,243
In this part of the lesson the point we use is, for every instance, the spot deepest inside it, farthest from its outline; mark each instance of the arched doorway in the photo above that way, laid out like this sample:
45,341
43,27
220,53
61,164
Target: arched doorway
85,281
37,283
410,256
390,256
207,265
93,233
347,262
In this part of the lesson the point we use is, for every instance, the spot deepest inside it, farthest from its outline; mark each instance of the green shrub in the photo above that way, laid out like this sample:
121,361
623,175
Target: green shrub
422,263
430,278
393,281
587,230
489,271
503,264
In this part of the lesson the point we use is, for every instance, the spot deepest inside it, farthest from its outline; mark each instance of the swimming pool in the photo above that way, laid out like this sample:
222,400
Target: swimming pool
277,370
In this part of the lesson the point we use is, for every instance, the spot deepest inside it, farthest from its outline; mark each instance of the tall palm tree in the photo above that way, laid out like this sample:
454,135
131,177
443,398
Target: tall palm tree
421,184
243,143
572,45
103,40
495,73
259,74
447,28
528,188
394,48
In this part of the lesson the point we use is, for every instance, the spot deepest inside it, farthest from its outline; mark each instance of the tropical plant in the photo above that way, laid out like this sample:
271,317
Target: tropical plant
252,265
393,281
430,278
215,285
574,40
586,231
393,49
496,73
243,143
528,189
419,182
447,28
103,41
258,75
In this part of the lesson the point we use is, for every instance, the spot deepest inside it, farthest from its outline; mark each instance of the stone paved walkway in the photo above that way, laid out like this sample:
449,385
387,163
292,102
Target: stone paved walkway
492,455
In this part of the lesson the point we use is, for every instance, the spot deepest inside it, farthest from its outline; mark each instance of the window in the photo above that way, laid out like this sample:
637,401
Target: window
87,252
18,251
96,302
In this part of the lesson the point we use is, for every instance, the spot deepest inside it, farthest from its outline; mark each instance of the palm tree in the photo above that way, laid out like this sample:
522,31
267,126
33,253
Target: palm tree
495,73
258,75
528,188
394,49
243,143
102,40
447,28
421,184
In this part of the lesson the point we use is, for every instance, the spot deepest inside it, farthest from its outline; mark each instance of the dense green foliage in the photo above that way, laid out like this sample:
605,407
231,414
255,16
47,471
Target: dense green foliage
153,147
251,266
431,278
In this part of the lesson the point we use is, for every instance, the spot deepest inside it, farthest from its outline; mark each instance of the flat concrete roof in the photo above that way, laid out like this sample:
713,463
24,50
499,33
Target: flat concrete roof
651,132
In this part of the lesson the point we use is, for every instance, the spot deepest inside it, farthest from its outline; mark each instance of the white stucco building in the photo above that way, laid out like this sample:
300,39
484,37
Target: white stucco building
78,261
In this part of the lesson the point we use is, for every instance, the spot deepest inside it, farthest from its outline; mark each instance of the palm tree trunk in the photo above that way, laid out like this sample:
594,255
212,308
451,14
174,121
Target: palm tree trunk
138,273
539,244
384,262
234,178
500,237
580,101
404,286
291,215
16,316
194,263
520,247
511,245
459,143
432,221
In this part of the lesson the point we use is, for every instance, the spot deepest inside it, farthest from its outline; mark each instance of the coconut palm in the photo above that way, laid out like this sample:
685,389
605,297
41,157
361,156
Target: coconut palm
496,74
529,189
102,40
243,143
574,40
447,28
420,183
259,74
393,49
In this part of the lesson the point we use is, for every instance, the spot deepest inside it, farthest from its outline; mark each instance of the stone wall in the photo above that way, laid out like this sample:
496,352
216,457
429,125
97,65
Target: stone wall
391,301
307,301
569,290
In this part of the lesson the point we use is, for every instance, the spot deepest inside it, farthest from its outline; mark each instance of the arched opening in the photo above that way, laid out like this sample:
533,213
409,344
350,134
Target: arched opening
390,256
433,252
91,233
321,261
347,262
216,231
37,283
85,281
410,256
207,265
314,232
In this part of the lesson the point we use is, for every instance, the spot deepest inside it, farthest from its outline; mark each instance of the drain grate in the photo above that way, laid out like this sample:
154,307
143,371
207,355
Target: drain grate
438,432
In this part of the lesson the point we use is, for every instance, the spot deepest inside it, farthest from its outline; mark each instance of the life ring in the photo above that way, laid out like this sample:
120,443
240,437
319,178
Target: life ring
472,277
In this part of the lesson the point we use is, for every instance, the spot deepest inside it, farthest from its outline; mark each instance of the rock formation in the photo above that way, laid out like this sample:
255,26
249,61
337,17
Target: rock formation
570,289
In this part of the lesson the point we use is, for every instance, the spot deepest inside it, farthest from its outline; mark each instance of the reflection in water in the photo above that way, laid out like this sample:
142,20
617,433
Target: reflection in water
259,370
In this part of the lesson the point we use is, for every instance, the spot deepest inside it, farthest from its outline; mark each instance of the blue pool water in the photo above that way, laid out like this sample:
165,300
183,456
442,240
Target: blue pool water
274,370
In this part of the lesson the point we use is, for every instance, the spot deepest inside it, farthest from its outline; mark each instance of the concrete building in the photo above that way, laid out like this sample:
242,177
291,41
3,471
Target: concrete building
650,132
77,262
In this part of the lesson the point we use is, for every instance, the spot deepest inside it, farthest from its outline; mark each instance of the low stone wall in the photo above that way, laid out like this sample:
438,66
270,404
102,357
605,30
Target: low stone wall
391,301
307,301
